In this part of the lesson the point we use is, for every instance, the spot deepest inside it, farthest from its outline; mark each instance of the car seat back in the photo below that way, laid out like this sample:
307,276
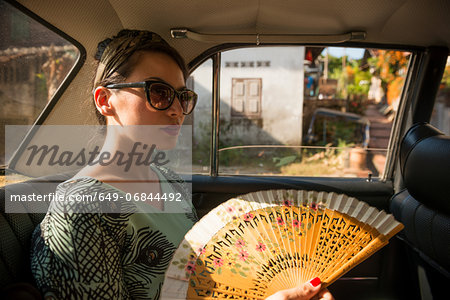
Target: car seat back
424,205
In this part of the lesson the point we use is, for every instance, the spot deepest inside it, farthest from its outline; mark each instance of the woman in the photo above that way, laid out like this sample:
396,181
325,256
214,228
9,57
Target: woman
105,251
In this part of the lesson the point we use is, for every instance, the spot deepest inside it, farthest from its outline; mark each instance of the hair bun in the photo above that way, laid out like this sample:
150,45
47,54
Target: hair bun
101,48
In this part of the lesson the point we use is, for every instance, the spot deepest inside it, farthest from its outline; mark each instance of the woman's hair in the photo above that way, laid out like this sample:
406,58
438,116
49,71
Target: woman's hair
115,61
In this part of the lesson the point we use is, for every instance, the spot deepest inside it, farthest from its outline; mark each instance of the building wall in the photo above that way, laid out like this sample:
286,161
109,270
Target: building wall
282,95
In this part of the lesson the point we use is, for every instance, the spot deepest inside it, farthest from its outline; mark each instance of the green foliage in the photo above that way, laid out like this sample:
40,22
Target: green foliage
201,144
343,144
353,80
336,131
343,131
260,158
282,161
335,66
359,82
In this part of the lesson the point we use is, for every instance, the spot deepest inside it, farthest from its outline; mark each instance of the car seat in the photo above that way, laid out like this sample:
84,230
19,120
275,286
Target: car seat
15,233
424,207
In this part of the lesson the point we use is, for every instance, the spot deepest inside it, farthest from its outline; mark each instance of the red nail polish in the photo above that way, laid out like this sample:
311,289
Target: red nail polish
315,282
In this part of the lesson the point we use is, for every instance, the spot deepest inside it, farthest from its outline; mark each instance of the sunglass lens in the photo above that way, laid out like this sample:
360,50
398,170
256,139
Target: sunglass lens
160,95
188,100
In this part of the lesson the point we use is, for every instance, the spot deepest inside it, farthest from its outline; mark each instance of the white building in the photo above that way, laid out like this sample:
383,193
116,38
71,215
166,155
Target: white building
261,93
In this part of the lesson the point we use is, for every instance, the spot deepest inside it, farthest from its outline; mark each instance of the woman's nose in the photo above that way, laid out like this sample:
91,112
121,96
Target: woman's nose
175,110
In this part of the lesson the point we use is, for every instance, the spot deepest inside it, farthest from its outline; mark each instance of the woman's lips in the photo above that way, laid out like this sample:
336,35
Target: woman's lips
172,130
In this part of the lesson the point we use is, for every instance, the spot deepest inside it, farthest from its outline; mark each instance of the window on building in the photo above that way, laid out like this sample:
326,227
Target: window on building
246,97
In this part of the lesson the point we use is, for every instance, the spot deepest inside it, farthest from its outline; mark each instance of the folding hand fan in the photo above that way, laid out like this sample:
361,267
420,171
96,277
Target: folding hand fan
257,244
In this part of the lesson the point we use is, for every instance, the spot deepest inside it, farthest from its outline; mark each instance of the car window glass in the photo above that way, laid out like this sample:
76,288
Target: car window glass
309,111
441,112
201,82
34,61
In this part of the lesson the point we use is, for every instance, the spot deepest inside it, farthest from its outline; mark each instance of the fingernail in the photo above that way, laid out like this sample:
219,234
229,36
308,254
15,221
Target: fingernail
315,282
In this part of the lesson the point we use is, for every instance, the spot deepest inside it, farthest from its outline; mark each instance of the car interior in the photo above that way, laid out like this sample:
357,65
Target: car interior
407,176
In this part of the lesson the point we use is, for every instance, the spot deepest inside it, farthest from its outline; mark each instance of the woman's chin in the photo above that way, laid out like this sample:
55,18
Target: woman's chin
166,144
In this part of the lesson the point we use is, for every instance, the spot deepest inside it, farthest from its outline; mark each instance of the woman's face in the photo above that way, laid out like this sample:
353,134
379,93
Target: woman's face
132,108
131,105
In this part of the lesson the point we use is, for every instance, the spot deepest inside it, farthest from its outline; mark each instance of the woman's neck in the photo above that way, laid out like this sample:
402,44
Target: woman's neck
122,158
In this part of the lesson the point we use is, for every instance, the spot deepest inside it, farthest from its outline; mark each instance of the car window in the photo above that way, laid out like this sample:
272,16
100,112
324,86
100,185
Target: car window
296,110
34,61
201,82
441,112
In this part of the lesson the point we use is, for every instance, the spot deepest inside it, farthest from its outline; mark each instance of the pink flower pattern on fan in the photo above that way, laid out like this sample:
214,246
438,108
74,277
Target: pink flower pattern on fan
230,209
218,262
240,243
243,255
248,217
260,247
280,221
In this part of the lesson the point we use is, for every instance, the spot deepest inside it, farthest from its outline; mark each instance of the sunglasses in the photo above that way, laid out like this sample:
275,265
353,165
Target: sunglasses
161,95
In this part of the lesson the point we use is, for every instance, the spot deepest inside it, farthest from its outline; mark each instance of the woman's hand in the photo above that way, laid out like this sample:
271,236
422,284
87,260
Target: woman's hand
307,291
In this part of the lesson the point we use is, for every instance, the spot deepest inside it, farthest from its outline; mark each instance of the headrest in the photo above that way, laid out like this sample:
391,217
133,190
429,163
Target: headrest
425,165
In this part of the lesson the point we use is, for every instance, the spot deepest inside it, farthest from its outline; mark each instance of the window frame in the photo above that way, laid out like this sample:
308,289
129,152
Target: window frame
407,97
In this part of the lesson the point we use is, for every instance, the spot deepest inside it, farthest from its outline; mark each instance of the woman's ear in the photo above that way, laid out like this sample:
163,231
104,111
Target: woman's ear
102,97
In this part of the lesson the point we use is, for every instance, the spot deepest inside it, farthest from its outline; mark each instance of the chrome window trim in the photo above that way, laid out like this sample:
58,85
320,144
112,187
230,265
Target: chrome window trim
215,116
